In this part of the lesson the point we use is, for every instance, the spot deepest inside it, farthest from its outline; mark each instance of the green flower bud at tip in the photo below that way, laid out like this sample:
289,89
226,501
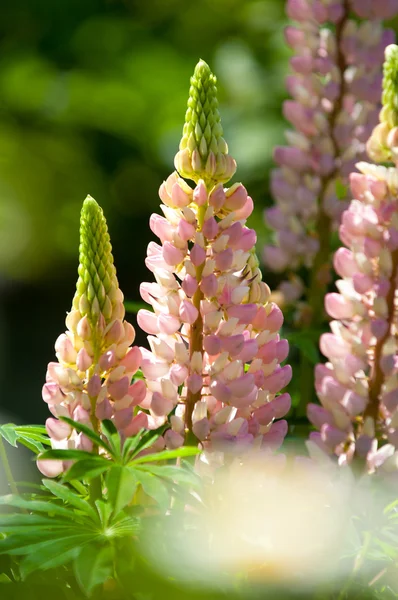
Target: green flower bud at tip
382,145
203,151
95,289
390,86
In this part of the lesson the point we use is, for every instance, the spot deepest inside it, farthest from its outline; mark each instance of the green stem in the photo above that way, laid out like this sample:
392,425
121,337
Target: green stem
7,468
195,343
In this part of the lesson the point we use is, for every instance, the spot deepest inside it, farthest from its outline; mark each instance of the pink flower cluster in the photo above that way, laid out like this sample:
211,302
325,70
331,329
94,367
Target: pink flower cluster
335,87
214,365
92,379
358,386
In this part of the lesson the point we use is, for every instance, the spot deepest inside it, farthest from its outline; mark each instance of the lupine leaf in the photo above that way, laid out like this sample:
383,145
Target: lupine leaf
167,455
8,521
72,454
93,566
31,436
54,553
94,437
121,483
139,447
153,487
9,434
177,474
113,437
87,468
67,495
34,505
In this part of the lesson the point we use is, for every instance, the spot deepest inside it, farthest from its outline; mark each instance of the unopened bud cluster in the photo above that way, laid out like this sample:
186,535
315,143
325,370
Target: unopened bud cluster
92,379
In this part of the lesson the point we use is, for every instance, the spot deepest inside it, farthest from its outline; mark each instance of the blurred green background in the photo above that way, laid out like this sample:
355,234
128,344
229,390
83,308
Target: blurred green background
92,101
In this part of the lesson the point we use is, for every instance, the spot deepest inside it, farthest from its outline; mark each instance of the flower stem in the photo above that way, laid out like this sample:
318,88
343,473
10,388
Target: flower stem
7,468
195,341
377,376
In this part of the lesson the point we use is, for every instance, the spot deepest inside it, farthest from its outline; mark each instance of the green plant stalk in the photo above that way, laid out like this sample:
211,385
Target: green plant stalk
7,468
95,484
195,343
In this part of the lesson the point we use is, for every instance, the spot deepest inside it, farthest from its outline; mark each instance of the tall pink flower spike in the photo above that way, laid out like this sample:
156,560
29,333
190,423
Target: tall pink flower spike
335,86
92,379
358,386
214,365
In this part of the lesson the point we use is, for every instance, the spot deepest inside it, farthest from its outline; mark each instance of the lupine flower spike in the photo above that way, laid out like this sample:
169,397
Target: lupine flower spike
335,86
358,387
92,379
213,368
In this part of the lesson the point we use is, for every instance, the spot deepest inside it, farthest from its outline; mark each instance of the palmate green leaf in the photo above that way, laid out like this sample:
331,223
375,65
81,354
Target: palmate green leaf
178,474
11,521
113,437
154,488
32,436
122,484
53,553
68,455
67,495
93,566
35,505
9,434
167,455
94,437
87,468
130,445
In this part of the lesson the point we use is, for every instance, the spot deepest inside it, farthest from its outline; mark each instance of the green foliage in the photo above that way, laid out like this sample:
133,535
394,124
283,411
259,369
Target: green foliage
83,520
33,437
390,87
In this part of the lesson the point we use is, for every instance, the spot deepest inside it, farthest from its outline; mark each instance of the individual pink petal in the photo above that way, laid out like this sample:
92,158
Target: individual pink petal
279,379
197,255
188,312
147,321
210,228
172,256
224,259
173,439
58,430
189,285
168,324
195,383
209,285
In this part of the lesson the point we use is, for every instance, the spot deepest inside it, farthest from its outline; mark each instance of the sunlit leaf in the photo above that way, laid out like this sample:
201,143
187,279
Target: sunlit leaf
167,455
87,468
67,495
94,437
121,483
154,488
93,566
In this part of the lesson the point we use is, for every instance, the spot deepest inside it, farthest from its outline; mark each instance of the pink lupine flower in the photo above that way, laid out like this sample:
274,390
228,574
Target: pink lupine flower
215,352
335,86
92,379
358,386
